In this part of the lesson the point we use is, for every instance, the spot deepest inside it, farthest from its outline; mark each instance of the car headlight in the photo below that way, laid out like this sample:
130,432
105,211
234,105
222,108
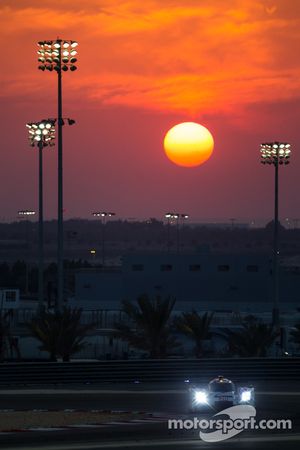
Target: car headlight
246,396
200,397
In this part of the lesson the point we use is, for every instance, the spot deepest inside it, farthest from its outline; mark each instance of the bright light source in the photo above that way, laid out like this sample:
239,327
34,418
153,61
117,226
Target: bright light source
200,397
275,153
103,214
246,396
177,216
55,54
41,133
26,212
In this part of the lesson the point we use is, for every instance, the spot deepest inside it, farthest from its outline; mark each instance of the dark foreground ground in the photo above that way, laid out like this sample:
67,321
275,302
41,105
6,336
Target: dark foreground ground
274,400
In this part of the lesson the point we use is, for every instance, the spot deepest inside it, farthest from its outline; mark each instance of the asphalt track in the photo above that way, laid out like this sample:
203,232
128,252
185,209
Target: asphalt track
272,401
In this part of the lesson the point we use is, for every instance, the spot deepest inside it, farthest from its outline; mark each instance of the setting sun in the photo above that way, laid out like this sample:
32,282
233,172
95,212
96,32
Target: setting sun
188,144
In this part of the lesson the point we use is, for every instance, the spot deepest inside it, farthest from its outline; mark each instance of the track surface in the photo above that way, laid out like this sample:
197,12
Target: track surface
272,401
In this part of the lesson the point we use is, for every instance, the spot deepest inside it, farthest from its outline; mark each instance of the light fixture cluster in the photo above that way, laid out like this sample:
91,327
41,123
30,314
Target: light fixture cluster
26,212
41,132
275,153
176,216
103,214
57,55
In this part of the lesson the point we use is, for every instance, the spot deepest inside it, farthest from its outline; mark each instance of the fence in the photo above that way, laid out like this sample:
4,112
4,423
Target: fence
244,369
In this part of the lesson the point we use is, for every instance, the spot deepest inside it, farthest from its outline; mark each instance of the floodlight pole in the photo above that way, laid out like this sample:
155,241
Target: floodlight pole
41,134
183,217
176,216
103,216
60,225
103,239
22,214
41,229
53,56
276,252
168,217
178,234
275,153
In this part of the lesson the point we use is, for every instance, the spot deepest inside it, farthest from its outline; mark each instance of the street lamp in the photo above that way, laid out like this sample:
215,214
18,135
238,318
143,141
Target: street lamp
177,216
103,215
26,214
275,153
59,56
41,134
93,253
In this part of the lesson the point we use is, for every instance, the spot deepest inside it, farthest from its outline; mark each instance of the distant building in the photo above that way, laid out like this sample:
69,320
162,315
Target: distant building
9,298
219,282
232,285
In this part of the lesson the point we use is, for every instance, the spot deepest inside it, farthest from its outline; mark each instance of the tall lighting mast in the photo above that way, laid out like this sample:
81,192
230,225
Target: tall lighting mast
59,56
276,154
41,135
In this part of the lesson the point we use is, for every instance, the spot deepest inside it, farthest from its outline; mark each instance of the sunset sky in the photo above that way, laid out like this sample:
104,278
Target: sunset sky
144,66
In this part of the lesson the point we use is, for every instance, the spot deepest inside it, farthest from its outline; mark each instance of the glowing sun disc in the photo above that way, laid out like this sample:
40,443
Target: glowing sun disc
188,144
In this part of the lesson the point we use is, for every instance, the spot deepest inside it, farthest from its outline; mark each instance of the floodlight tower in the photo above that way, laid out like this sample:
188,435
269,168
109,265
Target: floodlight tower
25,214
276,154
103,215
183,217
168,216
177,216
59,56
41,134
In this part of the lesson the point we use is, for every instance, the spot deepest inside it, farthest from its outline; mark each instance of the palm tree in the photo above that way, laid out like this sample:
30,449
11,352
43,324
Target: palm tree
73,333
60,332
8,344
295,334
195,327
254,339
148,326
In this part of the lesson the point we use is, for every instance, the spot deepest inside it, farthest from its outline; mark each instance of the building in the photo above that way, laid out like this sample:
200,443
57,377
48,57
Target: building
232,285
204,281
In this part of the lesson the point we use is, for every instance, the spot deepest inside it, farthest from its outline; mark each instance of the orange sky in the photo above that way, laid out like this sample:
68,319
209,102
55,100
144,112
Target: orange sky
170,55
231,65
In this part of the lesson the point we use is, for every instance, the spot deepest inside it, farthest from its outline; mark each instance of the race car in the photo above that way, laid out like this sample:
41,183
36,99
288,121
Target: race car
220,393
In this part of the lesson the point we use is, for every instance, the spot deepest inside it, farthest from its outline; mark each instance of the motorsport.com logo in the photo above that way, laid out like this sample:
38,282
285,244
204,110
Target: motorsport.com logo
228,423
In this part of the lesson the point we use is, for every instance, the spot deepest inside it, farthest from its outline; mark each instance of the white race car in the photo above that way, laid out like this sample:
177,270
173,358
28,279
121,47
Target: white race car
220,393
